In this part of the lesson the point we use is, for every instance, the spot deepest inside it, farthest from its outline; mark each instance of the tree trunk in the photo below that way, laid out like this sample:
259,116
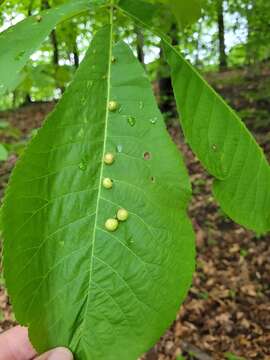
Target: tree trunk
27,99
198,46
174,34
139,44
45,5
250,54
54,43
223,64
76,58
30,8
166,102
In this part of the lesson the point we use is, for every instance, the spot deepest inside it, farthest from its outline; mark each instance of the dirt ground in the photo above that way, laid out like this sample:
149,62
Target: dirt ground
227,312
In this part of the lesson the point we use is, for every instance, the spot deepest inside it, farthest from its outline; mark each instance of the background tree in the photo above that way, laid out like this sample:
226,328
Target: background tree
221,36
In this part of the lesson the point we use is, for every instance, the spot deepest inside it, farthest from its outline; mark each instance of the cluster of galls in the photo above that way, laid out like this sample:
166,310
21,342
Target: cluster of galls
113,223
122,214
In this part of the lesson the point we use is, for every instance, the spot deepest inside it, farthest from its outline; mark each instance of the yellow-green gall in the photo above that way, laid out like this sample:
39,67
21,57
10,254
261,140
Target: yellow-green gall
38,18
122,215
109,158
107,183
111,225
113,105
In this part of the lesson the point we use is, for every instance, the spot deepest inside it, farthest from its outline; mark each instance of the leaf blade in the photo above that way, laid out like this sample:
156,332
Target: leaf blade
185,12
20,41
224,146
133,269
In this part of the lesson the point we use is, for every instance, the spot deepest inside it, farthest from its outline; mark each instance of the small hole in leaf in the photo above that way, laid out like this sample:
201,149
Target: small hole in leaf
153,179
147,155
119,148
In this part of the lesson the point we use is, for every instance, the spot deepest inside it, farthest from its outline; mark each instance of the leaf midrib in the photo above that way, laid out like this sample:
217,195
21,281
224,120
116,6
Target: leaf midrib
101,171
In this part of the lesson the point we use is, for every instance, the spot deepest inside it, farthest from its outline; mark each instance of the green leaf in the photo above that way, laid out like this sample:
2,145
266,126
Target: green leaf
105,295
18,42
224,146
186,12
147,11
139,11
218,138
231,356
3,153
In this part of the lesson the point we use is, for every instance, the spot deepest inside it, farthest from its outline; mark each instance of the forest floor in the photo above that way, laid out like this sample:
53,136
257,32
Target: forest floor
227,312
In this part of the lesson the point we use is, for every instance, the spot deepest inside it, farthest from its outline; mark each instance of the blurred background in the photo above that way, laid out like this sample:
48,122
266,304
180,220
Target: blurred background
227,313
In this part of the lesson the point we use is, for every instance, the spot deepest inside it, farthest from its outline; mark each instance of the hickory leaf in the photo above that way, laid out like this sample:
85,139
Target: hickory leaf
186,12
19,42
217,136
105,295
224,146
151,13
